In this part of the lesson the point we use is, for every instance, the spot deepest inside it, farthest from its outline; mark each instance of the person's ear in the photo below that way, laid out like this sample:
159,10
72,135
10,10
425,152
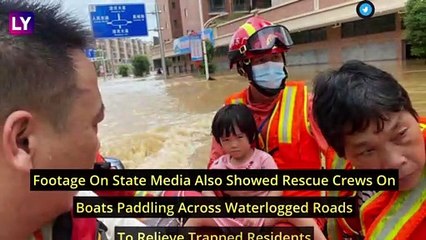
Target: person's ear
16,143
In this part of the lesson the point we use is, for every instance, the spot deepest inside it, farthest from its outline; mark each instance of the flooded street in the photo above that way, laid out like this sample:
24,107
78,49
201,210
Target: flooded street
154,123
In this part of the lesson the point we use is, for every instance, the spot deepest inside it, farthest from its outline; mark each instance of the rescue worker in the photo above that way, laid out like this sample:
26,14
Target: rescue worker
280,107
49,112
367,117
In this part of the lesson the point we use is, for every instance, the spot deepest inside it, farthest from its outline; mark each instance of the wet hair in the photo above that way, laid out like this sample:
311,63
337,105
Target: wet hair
37,71
234,115
348,99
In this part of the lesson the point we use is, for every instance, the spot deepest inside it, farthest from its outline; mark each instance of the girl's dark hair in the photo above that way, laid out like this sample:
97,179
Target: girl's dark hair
234,115
348,99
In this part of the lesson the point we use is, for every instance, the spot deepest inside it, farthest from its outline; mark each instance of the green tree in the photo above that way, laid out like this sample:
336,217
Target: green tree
210,54
140,65
415,23
123,70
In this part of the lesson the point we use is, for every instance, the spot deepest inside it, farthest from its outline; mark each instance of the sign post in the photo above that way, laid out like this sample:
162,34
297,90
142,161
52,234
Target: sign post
160,36
203,40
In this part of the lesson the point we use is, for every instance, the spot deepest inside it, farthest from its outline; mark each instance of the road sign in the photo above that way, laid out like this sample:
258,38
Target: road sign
90,53
118,20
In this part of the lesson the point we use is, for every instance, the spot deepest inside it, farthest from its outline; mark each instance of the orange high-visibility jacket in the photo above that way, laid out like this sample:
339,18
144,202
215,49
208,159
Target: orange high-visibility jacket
387,215
288,131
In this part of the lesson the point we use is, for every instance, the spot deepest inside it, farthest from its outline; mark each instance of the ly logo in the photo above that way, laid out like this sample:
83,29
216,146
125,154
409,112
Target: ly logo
21,23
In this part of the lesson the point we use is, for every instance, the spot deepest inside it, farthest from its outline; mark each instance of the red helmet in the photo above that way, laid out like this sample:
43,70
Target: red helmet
257,37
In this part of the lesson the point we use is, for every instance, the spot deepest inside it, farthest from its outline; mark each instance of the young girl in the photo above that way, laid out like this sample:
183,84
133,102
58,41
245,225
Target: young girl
235,129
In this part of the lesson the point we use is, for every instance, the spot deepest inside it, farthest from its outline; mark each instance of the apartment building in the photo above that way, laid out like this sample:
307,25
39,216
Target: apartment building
181,17
324,31
122,50
170,18
231,6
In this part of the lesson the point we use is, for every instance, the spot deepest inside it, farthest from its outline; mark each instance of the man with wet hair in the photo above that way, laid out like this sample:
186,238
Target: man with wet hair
50,109
367,117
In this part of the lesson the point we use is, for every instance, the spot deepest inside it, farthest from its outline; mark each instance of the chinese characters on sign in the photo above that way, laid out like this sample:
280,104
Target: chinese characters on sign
114,21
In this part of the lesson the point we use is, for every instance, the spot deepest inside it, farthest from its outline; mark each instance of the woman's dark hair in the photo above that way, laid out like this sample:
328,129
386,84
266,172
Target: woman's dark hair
348,99
234,115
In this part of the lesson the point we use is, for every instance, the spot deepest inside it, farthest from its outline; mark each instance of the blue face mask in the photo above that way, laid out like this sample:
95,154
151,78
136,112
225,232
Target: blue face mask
269,75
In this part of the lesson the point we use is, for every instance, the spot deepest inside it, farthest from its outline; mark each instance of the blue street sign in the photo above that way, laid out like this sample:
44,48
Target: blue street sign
118,20
90,53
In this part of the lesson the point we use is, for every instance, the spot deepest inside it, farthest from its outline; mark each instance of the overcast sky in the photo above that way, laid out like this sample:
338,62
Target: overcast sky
80,8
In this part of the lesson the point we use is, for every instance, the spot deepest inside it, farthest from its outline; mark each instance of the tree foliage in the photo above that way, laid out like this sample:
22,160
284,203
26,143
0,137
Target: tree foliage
415,23
210,55
123,70
140,65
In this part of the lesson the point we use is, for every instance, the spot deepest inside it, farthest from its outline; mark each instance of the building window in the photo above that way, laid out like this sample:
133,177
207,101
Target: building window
221,51
310,36
173,5
386,23
217,5
186,12
175,23
262,4
241,5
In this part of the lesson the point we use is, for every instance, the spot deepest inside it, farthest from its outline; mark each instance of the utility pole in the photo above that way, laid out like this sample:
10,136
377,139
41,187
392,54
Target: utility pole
103,64
160,35
206,64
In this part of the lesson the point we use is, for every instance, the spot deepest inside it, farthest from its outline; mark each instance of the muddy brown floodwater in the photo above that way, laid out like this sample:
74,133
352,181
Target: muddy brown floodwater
155,123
